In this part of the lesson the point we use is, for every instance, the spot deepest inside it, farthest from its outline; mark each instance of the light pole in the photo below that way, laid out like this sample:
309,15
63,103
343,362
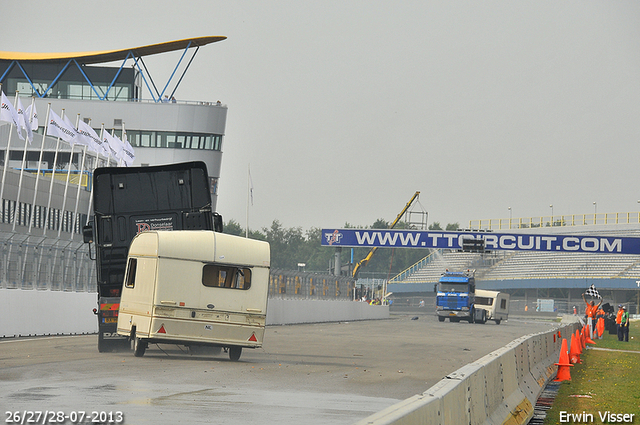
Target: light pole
551,206
509,217
638,296
595,211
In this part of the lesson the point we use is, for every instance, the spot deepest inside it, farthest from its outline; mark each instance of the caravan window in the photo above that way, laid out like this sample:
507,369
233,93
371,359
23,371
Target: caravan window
217,276
484,301
130,281
503,303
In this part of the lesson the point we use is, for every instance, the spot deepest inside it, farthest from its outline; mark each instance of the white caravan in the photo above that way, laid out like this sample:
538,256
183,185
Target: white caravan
196,288
495,304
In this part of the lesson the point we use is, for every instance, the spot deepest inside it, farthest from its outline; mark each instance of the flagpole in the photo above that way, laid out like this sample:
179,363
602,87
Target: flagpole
53,171
35,190
6,164
91,193
66,183
119,158
4,178
246,230
24,157
75,211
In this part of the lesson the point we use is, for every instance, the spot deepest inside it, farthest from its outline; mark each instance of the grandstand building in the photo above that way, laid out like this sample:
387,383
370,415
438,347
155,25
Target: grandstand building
531,276
41,217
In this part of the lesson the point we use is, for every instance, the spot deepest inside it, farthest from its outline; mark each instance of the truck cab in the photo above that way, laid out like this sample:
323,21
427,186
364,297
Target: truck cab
455,296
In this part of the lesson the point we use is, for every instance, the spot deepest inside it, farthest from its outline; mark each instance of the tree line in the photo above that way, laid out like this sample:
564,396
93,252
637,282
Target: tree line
293,246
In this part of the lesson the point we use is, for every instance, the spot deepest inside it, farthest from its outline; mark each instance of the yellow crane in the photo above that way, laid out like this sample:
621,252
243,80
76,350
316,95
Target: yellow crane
366,259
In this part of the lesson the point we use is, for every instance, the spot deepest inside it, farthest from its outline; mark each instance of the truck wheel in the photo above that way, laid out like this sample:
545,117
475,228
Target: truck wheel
139,347
103,346
441,318
234,353
497,321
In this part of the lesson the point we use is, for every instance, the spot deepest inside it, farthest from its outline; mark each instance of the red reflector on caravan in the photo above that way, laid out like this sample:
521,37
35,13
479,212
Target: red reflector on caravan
161,330
253,338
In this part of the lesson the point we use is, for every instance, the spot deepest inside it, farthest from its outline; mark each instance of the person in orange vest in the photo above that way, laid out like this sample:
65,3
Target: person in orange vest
618,319
599,323
591,314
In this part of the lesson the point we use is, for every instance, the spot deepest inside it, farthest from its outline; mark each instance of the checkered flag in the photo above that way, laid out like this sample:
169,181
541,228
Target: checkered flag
592,291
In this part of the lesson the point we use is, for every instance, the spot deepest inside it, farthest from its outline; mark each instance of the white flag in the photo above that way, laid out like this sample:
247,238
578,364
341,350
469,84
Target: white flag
58,128
128,155
32,116
23,122
115,145
80,138
9,114
96,145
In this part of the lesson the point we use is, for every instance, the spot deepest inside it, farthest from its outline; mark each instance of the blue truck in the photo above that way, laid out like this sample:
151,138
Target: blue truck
456,298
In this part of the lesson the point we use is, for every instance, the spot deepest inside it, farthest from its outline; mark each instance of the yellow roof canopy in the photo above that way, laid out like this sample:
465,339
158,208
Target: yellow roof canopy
111,55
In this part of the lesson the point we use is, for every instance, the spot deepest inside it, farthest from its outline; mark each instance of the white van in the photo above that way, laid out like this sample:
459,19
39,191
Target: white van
196,288
495,304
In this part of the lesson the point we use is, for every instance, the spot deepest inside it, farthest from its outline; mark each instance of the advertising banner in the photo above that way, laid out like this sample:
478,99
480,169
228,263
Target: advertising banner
369,238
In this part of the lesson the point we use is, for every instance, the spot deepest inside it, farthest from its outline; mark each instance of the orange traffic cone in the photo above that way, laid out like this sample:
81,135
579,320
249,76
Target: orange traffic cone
563,364
576,349
600,327
582,338
587,339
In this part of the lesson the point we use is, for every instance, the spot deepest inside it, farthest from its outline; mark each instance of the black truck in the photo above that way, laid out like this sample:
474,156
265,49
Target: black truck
130,200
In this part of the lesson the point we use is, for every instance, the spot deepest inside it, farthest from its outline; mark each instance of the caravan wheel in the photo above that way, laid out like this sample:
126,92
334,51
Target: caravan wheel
139,347
234,353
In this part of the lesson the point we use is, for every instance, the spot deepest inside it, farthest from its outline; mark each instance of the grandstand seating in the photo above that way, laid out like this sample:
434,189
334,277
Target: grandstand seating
529,265
452,261
547,265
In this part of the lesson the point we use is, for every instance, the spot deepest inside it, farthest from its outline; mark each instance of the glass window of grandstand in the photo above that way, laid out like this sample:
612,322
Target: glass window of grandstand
25,89
174,140
69,90
216,276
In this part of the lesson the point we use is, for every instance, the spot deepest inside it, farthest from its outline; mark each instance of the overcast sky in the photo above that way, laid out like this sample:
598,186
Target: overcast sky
344,109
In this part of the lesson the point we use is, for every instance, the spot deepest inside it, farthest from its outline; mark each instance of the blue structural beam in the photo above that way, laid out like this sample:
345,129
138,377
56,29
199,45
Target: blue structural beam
4,74
145,74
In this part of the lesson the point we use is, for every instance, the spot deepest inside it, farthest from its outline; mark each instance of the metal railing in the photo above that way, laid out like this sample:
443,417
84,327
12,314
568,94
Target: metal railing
556,221
46,264
293,284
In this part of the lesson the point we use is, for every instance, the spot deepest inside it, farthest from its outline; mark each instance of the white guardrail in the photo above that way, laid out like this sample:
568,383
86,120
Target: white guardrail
34,313
500,388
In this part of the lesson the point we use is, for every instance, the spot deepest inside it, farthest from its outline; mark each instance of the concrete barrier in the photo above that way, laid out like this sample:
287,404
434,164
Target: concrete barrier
33,312
500,388
291,311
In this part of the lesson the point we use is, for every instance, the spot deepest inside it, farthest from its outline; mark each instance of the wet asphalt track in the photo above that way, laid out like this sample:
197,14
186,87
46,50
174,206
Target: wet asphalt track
334,373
